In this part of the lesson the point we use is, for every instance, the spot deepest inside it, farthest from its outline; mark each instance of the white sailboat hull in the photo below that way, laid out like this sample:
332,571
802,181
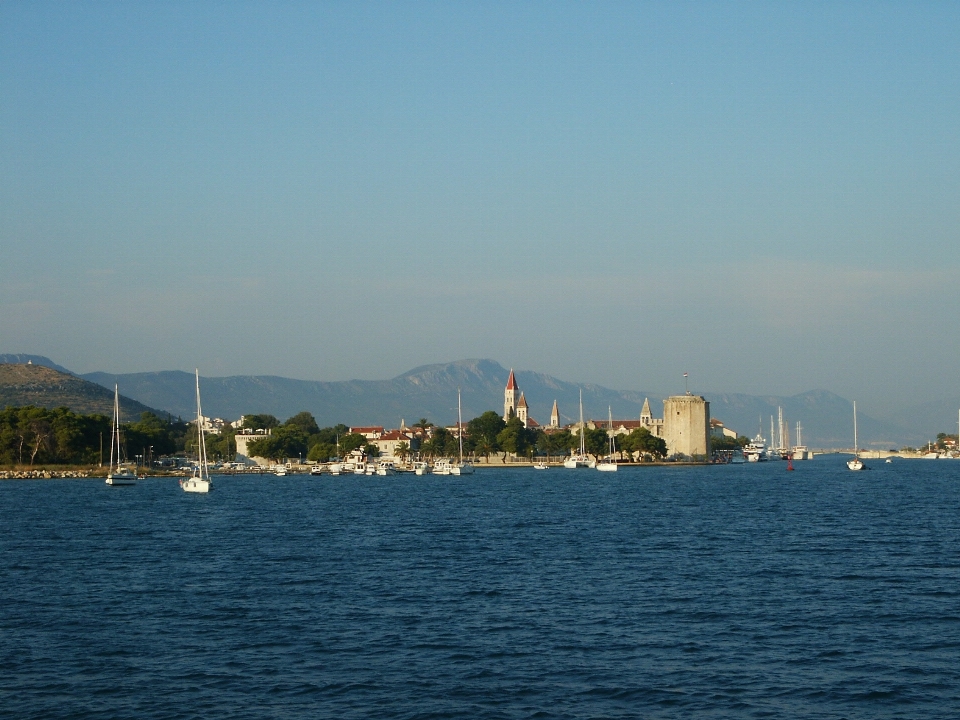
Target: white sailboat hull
461,469
195,485
121,478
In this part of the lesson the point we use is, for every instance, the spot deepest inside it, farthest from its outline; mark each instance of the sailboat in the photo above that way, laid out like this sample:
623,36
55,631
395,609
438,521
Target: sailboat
856,463
460,467
580,460
118,475
609,463
200,482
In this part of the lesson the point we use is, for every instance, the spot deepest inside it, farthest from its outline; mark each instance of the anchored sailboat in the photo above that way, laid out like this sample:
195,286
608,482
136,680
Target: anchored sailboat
460,467
580,460
119,474
609,463
856,463
200,482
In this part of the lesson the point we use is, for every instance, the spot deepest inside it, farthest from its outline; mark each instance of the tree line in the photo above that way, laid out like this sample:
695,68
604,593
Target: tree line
484,435
33,435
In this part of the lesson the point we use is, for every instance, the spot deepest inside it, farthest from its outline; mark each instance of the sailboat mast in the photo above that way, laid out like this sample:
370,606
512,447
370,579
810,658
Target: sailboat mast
201,446
115,430
460,425
582,446
856,443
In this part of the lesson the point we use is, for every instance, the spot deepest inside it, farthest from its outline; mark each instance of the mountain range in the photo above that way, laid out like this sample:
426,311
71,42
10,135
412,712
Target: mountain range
431,391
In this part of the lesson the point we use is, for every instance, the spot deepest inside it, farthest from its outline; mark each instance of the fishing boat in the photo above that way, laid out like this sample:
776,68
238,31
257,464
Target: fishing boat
856,463
119,474
386,467
200,482
421,467
609,463
580,460
460,467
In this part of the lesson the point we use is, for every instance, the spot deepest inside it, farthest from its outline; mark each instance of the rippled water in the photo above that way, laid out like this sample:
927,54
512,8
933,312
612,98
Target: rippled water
736,591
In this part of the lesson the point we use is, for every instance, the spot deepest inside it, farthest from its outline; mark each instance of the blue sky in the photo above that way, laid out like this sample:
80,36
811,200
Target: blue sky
764,195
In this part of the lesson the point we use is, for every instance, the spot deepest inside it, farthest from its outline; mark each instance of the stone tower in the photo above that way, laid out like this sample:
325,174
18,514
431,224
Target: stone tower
555,416
510,398
686,425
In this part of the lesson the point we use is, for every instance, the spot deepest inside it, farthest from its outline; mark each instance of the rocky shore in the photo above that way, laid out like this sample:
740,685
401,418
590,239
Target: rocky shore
41,474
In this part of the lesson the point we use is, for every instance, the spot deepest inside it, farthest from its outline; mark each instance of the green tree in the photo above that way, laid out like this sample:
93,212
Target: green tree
260,422
515,438
439,444
645,443
596,441
321,452
483,432
351,442
305,422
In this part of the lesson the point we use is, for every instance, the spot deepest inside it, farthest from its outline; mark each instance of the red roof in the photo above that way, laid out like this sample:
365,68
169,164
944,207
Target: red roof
511,381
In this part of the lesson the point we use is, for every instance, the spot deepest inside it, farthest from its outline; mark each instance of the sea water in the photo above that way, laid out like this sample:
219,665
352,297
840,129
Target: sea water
664,592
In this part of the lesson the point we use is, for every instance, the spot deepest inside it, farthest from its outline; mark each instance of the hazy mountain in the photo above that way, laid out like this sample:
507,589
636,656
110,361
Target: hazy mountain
45,387
431,391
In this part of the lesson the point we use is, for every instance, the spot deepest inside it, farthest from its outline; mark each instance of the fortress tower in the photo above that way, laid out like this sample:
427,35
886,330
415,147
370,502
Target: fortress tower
686,425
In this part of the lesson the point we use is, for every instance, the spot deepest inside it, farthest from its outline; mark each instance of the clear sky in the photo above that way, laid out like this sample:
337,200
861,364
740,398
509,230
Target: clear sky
764,195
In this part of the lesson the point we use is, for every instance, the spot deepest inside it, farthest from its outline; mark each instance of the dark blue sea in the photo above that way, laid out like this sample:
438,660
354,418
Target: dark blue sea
703,592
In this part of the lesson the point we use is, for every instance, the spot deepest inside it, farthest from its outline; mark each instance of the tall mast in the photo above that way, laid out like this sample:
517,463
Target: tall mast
460,425
582,448
856,444
115,430
201,446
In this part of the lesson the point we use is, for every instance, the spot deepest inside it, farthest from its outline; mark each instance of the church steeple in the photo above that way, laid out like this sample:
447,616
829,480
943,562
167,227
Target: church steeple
522,409
645,411
555,416
510,398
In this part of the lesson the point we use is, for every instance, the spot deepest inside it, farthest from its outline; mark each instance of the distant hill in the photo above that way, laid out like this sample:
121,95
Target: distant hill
34,384
431,391
21,359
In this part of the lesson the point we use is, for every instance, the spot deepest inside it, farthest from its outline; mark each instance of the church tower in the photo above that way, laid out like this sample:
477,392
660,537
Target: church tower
645,416
510,398
555,416
522,409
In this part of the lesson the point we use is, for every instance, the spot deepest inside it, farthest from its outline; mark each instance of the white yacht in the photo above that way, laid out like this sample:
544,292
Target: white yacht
200,482
442,467
421,467
119,474
756,450
386,467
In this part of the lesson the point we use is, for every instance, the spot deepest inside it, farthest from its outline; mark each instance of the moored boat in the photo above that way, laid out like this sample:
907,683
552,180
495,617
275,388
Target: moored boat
119,474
